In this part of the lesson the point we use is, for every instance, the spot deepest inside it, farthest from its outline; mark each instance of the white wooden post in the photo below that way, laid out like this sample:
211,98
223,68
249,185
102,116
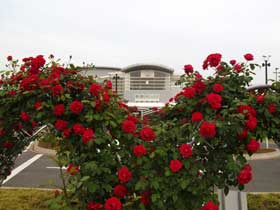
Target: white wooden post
235,200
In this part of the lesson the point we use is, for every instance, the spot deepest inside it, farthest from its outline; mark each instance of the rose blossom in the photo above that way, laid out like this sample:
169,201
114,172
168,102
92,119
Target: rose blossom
188,69
124,174
249,57
197,117
78,129
260,98
199,86
120,191
128,126
232,62
76,107
146,197
207,130
58,110
94,206
237,67
139,150
218,88
95,89
189,92
214,100
175,165
61,124
72,169
212,60
88,135
210,205
245,175
24,116
147,134
251,123
253,146
113,204
271,108
185,150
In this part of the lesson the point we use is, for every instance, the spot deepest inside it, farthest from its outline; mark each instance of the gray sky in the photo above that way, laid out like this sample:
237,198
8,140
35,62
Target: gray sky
125,32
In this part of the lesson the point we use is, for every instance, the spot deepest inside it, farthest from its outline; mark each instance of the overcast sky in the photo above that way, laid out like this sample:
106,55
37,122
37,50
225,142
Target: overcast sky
125,32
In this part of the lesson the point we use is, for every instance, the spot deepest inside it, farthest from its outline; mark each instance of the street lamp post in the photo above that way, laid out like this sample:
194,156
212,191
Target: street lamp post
276,74
266,64
116,77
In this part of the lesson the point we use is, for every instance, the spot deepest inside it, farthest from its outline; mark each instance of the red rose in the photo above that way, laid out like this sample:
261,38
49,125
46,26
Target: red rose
36,64
210,205
189,92
57,90
199,86
106,97
9,58
188,69
220,68
113,204
271,108
147,134
186,150
109,84
146,198
58,110
38,105
94,206
7,145
218,88
124,174
88,135
237,67
251,123
253,146
197,117
72,169
139,150
12,92
198,76
132,118
76,107
24,116
66,132
2,132
60,124
128,126
95,89
232,62
243,135
207,130
247,167
212,60
214,100
34,124
249,57
78,129
175,165
246,110
244,176
120,191
260,98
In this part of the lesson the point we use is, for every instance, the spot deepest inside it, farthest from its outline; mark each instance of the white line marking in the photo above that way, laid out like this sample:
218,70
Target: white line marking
53,167
28,147
22,166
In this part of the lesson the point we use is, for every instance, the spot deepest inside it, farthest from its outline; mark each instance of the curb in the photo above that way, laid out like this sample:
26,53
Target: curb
41,150
264,156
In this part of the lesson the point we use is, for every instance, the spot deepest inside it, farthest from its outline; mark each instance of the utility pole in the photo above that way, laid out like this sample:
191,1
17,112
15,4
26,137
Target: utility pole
266,64
276,74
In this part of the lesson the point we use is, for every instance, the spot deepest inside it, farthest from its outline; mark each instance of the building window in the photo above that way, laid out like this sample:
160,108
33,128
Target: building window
148,98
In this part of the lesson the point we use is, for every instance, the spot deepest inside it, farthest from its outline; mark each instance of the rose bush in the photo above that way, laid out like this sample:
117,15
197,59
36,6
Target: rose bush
115,160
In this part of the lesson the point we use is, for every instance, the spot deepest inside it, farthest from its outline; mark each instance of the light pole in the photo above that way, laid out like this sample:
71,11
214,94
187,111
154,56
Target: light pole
116,77
266,64
276,74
